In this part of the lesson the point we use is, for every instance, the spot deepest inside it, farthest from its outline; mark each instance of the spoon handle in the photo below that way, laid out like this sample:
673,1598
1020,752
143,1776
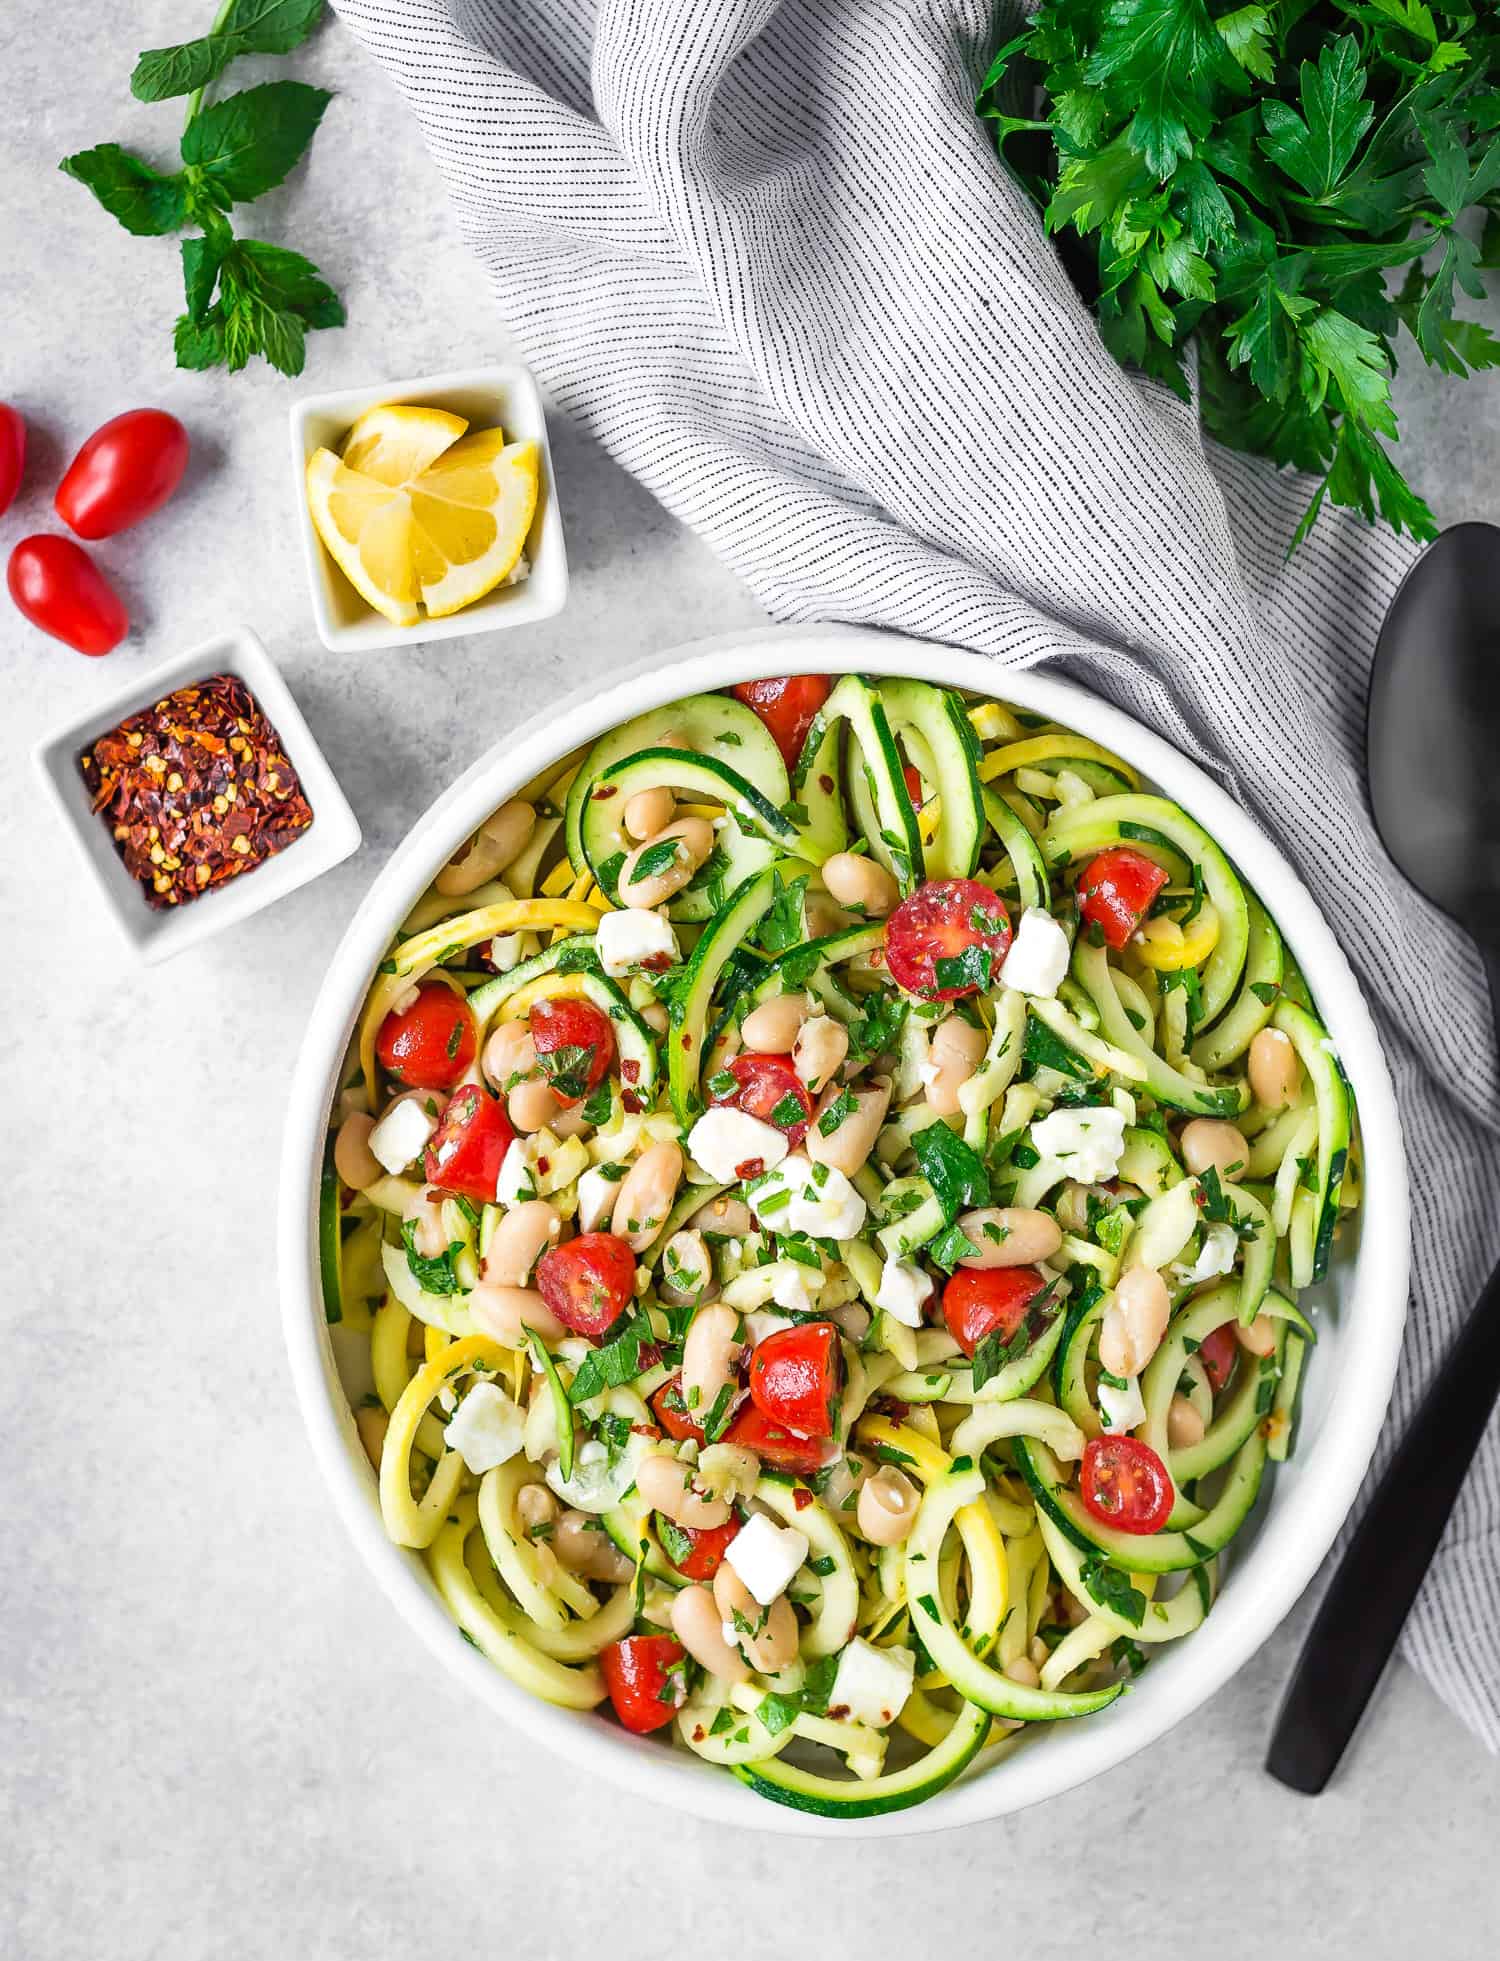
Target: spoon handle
1363,1612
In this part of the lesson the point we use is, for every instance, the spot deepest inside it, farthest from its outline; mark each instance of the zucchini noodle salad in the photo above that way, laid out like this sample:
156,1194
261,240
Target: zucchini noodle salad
816,1206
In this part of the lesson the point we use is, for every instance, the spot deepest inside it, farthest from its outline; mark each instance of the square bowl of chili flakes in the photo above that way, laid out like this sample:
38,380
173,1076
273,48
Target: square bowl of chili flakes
197,795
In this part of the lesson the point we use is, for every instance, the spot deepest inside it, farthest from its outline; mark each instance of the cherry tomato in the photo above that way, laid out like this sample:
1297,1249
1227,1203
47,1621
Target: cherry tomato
126,470
795,1378
929,937
787,707
1115,892
776,1445
644,1676
981,1301
430,1044
673,1414
469,1145
912,777
764,1084
575,1046
60,589
1218,1352
1125,1484
588,1283
12,454
696,1553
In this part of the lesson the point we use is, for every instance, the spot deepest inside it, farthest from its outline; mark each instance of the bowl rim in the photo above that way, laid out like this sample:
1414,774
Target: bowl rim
1295,1533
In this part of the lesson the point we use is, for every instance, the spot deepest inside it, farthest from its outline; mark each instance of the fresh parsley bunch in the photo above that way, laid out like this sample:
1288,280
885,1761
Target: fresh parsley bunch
1293,183
244,295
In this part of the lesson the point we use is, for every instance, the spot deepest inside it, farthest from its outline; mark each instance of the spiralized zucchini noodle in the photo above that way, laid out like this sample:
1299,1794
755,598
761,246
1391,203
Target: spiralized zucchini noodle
814,1220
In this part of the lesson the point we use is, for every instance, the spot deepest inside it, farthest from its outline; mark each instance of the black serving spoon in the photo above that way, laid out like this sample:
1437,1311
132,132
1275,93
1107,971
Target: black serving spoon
1433,739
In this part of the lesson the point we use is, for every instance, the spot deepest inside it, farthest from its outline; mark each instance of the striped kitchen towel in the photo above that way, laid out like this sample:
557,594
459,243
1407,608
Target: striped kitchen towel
764,252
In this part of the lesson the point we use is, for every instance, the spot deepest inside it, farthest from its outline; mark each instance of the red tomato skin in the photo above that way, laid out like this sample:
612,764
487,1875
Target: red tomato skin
776,1445
432,1044
60,589
12,454
469,1145
787,706
672,1413
635,1673
934,924
795,1377
126,470
1115,891
1218,1352
1125,1484
763,1081
708,1549
979,1301
912,777
569,1024
588,1283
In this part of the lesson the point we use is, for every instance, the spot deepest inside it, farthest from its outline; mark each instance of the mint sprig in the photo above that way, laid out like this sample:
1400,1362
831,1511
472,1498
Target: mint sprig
244,296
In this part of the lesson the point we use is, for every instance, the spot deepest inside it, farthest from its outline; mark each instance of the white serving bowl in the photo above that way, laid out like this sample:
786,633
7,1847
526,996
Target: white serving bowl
1347,1380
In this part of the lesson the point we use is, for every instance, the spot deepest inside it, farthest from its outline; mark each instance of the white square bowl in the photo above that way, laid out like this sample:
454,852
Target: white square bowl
330,838
505,394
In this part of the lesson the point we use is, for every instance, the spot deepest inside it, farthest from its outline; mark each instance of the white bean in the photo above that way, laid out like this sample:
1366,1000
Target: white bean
698,1625
424,1212
1134,1322
666,1485
729,1216
509,1056
583,1546
649,811
1259,1338
774,1640
645,1195
709,1355
1209,1141
851,1143
956,1052
518,1242
694,838
1184,1424
353,1159
507,1312
860,885
1009,1235
887,1508
819,1052
531,1107
497,843
772,1028
687,1268
1274,1068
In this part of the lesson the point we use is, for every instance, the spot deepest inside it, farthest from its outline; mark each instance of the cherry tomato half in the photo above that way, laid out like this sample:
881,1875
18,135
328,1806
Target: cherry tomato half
1218,1352
1125,1484
588,1283
696,1552
947,939
787,707
912,777
770,1088
981,1301
1115,892
673,1414
778,1446
469,1145
575,1046
644,1676
12,454
126,470
60,589
430,1044
795,1377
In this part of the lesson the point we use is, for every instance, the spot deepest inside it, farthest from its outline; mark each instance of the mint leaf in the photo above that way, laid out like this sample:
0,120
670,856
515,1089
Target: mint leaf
955,1172
201,259
144,201
246,27
237,149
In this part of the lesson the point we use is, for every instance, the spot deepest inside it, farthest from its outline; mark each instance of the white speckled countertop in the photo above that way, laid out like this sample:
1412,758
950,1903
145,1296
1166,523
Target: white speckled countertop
216,1739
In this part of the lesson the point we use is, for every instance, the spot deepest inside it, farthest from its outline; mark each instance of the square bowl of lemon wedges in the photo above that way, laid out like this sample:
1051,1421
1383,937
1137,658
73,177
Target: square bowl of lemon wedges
428,508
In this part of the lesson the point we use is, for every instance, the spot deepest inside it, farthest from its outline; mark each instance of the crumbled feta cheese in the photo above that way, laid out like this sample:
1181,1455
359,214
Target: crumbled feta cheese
1038,957
822,1202
1216,1255
724,1141
766,1556
1086,1142
903,1290
596,1199
872,1683
402,1133
789,1289
486,1429
517,1181
1122,1409
634,937
762,1324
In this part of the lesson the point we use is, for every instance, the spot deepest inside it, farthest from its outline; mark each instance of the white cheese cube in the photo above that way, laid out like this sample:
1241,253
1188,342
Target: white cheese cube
762,1324
1216,1255
1038,956
724,1141
766,1556
1085,1142
402,1133
872,1683
634,937
486,1429
517,1181
903,1291
789,1288
822,1202
596,1199
1122,1409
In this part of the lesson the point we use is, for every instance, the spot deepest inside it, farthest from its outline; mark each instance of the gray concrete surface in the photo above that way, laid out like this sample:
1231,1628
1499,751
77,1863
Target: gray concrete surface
216,1740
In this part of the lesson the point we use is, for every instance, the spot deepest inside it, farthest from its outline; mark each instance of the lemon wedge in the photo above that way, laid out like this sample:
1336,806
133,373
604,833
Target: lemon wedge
417,513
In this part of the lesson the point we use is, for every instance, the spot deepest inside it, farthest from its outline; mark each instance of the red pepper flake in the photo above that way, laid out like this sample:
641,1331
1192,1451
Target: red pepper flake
195,789
630,1069
606,791
801,1498
633,1101
751,1168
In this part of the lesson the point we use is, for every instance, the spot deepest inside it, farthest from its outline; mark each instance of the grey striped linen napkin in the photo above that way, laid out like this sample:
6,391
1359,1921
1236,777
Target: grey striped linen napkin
762,250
